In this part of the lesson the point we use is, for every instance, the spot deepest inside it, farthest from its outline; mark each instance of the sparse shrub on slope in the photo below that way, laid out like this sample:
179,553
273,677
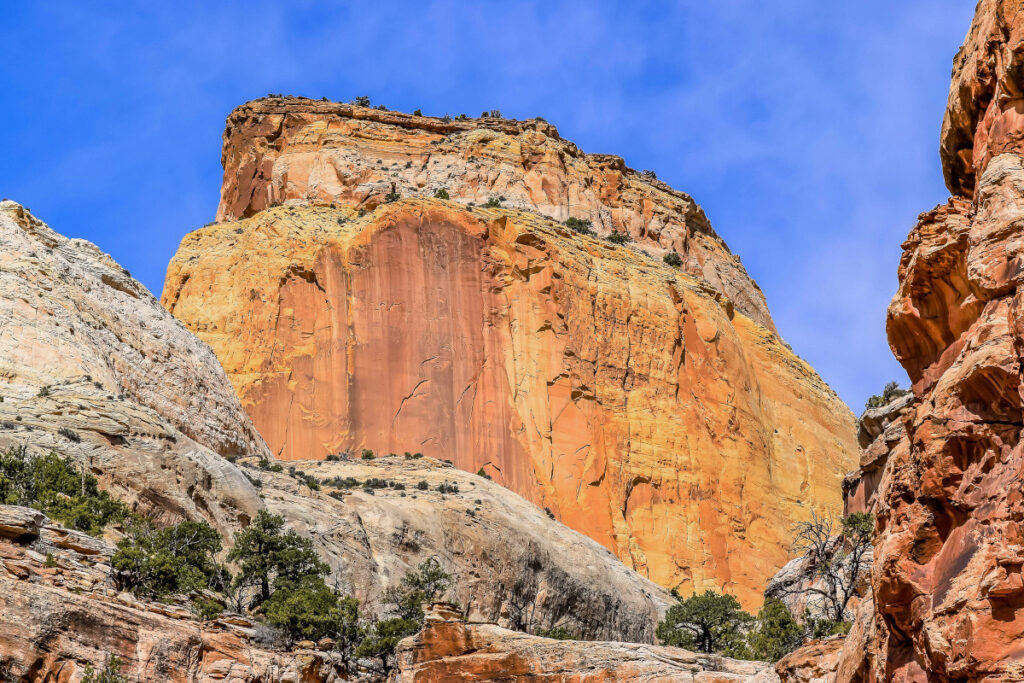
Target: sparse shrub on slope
892,390
59,488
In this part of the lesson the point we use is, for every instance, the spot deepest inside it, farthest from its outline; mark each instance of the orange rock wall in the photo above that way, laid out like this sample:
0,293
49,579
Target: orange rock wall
307,152
629,398
949,547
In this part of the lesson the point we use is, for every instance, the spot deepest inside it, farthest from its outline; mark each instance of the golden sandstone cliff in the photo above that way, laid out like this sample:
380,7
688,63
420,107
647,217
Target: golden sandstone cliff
654,409
94,369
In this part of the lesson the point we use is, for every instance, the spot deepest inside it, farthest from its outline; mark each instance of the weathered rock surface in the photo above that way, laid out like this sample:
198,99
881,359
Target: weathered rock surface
452,650
68,311
91,366
945,474
510,561
300,151
59,613
631,400
815,662
512,564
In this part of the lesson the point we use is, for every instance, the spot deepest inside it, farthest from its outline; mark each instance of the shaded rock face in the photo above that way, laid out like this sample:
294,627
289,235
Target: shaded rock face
59,613
949,547
631,400
295,150
511,563
451,650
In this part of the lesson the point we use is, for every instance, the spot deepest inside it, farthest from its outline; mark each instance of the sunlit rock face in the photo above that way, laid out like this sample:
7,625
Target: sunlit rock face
301,151
942,472
632,400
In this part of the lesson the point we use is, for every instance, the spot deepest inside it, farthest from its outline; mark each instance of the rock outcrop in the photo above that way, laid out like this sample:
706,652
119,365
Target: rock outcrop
448,649
511,563
633,401
943,473
300,151
93,367
59,614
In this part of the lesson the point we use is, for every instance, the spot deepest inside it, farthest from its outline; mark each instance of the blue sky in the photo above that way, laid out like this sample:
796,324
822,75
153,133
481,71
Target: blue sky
807,130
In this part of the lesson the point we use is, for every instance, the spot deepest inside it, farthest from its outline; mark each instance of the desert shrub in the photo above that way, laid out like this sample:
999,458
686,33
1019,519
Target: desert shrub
207,608
111,672
375,483
418,112
59,488
673,259
422,485
492,203
584,226
271,558
889,392
711,622
392,197
429,582
650,175
44,391
160,562
361,101
69,434
448,487
776,633
482,473
442,193
557,633
310,610
619,238
367,454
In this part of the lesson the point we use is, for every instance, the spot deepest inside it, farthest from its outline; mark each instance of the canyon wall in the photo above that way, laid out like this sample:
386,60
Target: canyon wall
942,471
639,403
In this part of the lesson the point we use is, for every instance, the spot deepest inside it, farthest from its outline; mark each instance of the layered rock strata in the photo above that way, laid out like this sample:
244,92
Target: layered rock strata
631,400
300,151
59,614
448,649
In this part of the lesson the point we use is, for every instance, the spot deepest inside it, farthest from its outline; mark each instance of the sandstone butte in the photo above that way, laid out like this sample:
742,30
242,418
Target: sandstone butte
93,368
942,471
653,408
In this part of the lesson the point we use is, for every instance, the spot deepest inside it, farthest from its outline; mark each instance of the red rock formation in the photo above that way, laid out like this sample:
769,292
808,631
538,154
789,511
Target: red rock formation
944,475
631,400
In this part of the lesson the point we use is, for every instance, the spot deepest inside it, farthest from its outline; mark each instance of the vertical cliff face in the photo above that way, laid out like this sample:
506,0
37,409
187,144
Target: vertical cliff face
299,151
943,472
635,401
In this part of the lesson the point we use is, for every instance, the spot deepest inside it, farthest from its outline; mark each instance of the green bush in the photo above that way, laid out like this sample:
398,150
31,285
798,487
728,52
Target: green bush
271,558
557,633
584,226
367,454
160,562
361,101
392,197
442,194
309,610
711,623
619,238
428,583
59,488
776,632
673,259
492,203
889,392
109,674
